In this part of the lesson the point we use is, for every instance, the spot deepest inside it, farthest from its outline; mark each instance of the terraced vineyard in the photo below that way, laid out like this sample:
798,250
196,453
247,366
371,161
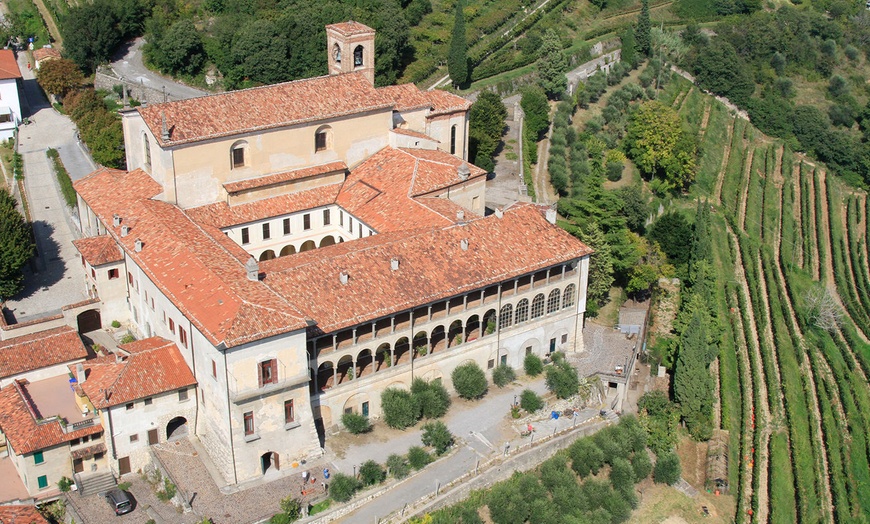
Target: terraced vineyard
791,247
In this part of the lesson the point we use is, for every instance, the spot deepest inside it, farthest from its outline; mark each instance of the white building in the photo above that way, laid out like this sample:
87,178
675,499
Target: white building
10,105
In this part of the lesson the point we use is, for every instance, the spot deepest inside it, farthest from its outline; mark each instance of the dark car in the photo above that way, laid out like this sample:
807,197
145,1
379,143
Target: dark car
120,501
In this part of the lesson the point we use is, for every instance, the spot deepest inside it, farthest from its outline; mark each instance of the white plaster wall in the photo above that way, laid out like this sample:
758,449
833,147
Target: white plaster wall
57,463
41,373
439,128
9,98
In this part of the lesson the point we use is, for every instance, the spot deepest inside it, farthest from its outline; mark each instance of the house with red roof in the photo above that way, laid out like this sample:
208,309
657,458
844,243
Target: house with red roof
10,85
308,244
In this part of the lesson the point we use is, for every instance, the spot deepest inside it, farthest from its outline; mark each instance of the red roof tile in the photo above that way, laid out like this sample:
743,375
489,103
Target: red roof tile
154,366
223,215
8,65
444,102
406,97
351,28
415,134
262,108
45,52
288,176
40,350
99,250
195,265
21,515
21,428
432,266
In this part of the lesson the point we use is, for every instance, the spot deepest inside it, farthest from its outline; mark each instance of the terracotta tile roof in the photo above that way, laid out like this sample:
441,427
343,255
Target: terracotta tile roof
45,52
21,515
379,191
262,108
40,350
406,97
288,176
415,134
89,451
443,102
195,265
222,215
154,365
351,28
99,250
8,65
432,266
18,423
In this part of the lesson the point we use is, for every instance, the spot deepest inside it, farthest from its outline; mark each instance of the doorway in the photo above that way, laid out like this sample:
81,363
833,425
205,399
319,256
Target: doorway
268,461
177,428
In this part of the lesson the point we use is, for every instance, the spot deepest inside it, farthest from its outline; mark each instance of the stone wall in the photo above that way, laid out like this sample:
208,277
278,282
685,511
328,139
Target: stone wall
106,79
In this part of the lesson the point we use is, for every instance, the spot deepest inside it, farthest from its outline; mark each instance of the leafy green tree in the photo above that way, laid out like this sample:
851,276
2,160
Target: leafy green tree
258,54
693,387
180,50
536,111
658,144
586,457
437,436
503,375
634,207
371,473
719,69
628,52
641,464
533,365
59,77
343,487
457,58
562,380
601,270
401,409
292,508
660,417
398,466
432,396
674,234
418,457
16,246
622,475
356,423
92,31
552,65
667,469
643,30
469,381
486,124
531,401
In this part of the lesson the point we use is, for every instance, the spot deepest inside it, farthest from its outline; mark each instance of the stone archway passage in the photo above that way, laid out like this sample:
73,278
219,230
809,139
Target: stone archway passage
269,461
89,321
176,428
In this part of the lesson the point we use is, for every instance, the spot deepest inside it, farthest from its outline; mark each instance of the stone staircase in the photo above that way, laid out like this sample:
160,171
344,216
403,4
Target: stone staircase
610,415
95,483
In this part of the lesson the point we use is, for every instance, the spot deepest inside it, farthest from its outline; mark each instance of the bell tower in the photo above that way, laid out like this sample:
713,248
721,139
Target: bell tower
351,48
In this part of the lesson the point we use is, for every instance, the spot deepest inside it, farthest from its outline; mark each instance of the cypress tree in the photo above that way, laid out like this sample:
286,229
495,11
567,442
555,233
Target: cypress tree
643,30
16,246
552,66
457,60
693,387
628,54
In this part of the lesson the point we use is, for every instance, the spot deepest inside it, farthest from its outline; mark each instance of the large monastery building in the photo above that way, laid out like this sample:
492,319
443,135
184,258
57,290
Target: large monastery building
300,248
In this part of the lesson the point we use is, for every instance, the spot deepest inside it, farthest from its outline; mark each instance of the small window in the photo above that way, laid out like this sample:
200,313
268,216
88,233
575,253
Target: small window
130,278
38,458
93,273
341,218
249,423
152,303
289,415
350,224
147,150
268,372
453,140
172,326
42,481
182,336
306,221
149,401
490,364
113,274
359,230
528,350
267,234
286,226
358,56
239,156
130,405
320,141
246,236
326,217
213,369
134,437
182,395
565,338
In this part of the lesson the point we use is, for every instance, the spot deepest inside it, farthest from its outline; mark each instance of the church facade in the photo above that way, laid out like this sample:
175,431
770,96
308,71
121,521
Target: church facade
309,244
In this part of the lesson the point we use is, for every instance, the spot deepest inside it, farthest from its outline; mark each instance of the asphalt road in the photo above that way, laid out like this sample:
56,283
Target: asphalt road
128,64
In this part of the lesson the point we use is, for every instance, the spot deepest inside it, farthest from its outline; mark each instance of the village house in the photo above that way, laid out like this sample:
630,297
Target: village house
10,104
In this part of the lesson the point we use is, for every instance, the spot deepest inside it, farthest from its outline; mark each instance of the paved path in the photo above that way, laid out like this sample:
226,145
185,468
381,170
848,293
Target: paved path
128,64
55,277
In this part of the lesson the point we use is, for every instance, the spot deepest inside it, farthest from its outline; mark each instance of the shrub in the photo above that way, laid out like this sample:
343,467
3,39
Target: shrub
436,435
401,409
641,464
418,457
291,510
356,423
169,490
371,473
562,380
586,457
469,381
667,469
116,324
64,484
343,487
432,396
530,401
533,365
398,466
127,338
622,475
503,375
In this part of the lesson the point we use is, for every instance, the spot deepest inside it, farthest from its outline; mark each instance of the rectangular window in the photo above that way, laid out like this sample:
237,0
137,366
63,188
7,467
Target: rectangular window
149,401
320,141
266,233
113,274
249,423
182,394
239,157
326,217
268,372
359,230
39,459
134,438
565,338
152,303
182,336
42,481
306,221
528,350
93,273
246,237
341,218
130,405
350,224
130,278
172,326
490,364
213,369
289,416
286,226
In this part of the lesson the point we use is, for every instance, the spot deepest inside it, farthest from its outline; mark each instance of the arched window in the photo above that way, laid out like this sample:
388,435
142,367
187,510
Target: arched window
238,154
357,56
553,301
323,138
147,150
506,316
568,297
522,311
336,53
538,306
453,139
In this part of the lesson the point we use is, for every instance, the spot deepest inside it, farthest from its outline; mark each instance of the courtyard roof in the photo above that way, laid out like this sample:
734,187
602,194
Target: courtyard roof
8,66
40,350
20,514
99,250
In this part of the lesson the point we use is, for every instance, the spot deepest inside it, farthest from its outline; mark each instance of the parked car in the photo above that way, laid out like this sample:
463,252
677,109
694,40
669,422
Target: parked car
120,501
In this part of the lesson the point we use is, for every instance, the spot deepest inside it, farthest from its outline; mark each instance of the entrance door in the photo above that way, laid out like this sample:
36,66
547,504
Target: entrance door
365,409
89,321
123,465
152,437
78,465
552,345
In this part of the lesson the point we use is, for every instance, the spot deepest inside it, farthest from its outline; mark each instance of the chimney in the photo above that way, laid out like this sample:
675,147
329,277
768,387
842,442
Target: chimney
138,246
116,220
460,216
463,171
164,129
464,244
498,212
253,269
125,230
394,264
80,373
551,216
343,277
